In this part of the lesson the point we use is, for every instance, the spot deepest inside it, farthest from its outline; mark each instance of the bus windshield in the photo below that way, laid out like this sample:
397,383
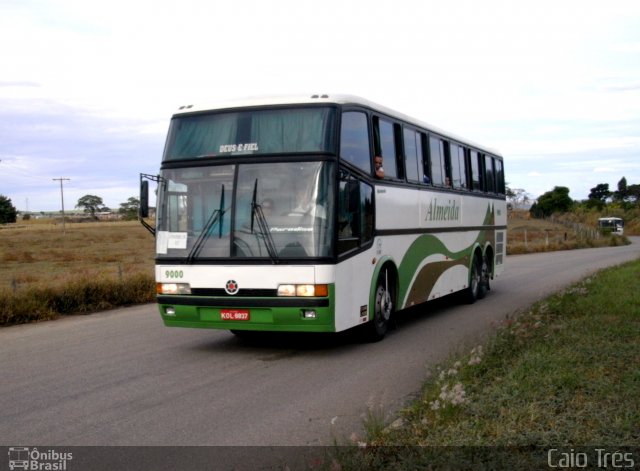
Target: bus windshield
273,211
251,132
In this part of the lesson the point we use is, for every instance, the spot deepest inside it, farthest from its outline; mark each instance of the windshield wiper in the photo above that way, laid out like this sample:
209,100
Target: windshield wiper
265,231
215,218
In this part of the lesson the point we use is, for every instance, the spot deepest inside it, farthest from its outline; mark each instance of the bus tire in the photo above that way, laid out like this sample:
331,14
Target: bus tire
383,307
477,283
486,276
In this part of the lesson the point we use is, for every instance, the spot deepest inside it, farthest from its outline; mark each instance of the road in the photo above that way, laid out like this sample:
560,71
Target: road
122,378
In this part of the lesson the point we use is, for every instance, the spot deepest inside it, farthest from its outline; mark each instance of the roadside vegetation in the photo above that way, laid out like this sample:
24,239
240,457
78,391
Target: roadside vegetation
566,373
564,231
90,266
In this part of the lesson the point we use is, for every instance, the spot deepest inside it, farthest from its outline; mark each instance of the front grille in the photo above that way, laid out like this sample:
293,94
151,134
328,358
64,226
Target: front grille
220,292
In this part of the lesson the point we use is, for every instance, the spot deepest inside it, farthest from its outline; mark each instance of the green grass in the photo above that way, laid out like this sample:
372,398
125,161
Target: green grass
566,373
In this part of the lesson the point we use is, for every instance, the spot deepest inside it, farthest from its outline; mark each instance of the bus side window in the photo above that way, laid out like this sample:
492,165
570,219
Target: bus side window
354,140
355,213
413,155
476,181
424,155
499,177
490,185
447,163
464,173
385,145
366,212
436,151
454,152
399,144
348,197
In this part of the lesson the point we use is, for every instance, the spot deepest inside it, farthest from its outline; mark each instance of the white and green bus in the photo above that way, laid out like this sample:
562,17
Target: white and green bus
611,225
271,216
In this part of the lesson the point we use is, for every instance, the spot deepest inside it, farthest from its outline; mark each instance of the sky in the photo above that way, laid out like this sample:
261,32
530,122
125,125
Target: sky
87,89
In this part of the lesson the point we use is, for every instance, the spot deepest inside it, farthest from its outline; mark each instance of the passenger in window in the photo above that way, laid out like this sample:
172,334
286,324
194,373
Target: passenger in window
377,162
447,182
426,179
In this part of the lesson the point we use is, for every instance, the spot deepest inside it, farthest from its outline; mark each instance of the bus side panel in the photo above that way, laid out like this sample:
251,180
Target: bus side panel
449,227
431,269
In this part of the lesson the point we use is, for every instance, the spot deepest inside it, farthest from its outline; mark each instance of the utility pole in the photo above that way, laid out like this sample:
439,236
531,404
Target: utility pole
62,198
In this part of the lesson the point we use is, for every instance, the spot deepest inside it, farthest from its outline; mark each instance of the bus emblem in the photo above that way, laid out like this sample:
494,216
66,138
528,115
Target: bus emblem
231,287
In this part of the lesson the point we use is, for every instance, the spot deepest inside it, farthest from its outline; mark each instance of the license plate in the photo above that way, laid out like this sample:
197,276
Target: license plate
234,314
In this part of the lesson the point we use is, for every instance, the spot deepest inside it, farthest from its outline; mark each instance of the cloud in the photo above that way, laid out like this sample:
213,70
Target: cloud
629,87
19,84
100,156
87,89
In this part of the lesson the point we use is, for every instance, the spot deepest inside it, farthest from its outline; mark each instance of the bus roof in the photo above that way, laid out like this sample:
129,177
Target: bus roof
340,99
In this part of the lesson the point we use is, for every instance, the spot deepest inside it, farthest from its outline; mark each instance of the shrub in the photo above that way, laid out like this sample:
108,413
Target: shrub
37,304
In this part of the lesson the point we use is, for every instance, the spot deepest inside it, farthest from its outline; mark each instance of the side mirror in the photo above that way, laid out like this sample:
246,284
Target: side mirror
144,199
143,210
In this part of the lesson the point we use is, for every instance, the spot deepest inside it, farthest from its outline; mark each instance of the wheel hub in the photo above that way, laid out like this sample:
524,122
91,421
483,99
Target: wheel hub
383,300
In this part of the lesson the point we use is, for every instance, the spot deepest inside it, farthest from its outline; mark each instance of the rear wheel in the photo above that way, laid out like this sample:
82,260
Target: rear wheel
478,280
485,275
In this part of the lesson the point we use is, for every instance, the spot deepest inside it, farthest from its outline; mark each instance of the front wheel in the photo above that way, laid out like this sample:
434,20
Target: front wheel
383,308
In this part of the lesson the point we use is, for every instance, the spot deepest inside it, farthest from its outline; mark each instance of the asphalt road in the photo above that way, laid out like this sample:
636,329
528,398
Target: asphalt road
122,378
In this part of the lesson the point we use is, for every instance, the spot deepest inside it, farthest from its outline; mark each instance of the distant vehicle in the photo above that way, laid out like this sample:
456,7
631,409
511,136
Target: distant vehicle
271,217
611,225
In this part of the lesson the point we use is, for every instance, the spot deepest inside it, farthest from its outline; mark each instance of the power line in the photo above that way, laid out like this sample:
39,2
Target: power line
62,179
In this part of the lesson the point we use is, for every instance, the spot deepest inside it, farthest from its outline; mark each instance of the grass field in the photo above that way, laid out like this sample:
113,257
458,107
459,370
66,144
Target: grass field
41,255
90,266
564,374
526,235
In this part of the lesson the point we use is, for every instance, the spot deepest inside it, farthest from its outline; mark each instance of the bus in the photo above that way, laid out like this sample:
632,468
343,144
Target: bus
611,225
271,216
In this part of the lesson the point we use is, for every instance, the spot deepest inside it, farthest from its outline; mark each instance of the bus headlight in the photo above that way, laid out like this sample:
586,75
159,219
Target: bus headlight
303,290
173,288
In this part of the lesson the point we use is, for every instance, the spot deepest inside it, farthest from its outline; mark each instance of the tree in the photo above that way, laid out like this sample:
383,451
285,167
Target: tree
623,191
554,201
634,193
129,210
8,212
91,204
598,196
517,197
600,192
